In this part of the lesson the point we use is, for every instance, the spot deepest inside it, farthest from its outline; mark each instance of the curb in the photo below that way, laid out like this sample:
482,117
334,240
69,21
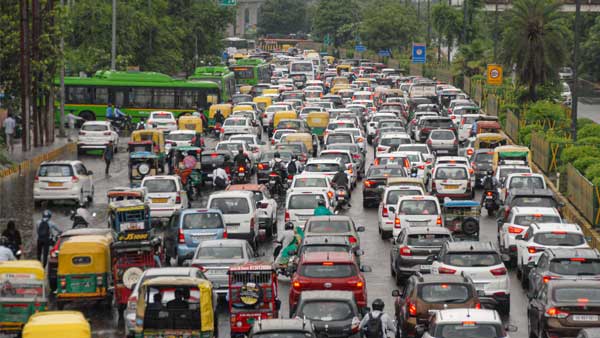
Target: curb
34,162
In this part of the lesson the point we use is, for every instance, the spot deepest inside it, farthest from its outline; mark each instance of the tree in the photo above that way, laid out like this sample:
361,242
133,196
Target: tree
282,17
388,24
591,51
337,18
447,21
534,41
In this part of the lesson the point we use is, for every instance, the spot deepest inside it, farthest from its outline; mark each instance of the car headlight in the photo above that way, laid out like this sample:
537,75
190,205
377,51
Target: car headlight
144,168
132,276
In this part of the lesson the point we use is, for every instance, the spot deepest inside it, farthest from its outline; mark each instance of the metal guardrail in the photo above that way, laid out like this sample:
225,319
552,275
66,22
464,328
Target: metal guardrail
583,194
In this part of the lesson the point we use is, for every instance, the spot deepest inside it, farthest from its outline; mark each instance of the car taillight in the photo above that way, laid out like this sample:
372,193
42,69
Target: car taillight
330,194
546,279
397,224
534,249
412,308
181,237
429,142
356,156
499,271
439,220
384,212
352,239
297,285
272,141
422,166
471,171
261,166
478,305
405,251
514,230
178,198
379,148
446,271
228,170
74,179
287,216
489,193
241,169
453,117
264,116
469,151
107,133
369,183
36,179
350,171
556,313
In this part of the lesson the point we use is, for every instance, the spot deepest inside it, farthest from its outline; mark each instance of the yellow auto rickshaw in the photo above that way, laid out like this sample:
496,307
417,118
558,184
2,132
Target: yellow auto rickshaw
318,121
243,107
340,80
263,102
283,115
343,68
163,301
511,154
225,109
269,91
338,87
489,141
84,270
23,292
329,59
310,141
245,89
63,324
157,137
190,122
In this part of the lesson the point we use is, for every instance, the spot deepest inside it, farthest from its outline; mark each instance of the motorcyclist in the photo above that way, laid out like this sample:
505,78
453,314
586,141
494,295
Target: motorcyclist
278,165
189,163
219,118
321,209
379,320
46,231
286,239
220,178
340,180
81,217
241,159
489,183
6,253
14,236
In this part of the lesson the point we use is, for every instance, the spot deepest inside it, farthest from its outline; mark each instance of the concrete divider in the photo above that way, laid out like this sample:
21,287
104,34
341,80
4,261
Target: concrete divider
33,163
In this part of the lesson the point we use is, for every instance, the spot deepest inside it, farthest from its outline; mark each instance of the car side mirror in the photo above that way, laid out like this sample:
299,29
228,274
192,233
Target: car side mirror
519,238
431,259
359,252
511,328
392,209
89,172
531,265
360,229
365,268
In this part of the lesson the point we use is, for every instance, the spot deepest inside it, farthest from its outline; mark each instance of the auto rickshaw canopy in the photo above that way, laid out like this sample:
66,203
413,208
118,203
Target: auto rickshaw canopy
489,140
84,254
22,269
63,324
156,136
190,122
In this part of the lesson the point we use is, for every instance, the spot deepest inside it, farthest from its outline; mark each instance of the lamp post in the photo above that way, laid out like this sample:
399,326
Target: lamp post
575,89
61,127
113,49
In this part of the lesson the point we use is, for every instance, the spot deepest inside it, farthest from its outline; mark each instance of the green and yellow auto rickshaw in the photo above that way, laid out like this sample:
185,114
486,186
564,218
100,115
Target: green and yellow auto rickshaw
157,138
142,162
179,166
318,121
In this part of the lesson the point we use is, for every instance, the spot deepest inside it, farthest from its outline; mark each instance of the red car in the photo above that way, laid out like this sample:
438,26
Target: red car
329,271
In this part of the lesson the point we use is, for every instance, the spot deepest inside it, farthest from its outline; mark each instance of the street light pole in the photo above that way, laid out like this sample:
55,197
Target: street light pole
575,89
496,31
61,127
465,9
113,50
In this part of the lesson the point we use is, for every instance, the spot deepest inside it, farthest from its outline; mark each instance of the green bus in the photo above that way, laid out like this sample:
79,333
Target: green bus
251,71
136,94
221,75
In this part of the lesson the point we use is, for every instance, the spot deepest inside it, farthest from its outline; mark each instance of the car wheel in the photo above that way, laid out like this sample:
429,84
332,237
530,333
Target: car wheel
504,308
90,198
82,199
392,271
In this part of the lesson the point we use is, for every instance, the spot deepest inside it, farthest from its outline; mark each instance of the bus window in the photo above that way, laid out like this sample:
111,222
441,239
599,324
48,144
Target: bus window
101,95
117,97
78,94
212,99
185,99
140,97
164,98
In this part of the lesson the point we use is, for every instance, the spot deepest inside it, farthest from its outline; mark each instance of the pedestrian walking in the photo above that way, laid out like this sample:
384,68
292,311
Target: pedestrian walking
9,125
108,156
71,121
45,230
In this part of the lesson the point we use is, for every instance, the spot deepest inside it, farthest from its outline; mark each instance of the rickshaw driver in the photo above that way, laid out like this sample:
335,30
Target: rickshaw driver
6,253
219,118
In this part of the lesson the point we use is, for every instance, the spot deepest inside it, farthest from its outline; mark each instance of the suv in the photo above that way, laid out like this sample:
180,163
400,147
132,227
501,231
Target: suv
428,123
467,323
481,162
390,141
332,313
416,211
453,181
564,264
390,196
334,225
542,236
423,293
375,182
166,195
63,180
411,249
266,205
522,181
282,328
96,135
482,262
530,198
329,271
328,167
240,212
443,141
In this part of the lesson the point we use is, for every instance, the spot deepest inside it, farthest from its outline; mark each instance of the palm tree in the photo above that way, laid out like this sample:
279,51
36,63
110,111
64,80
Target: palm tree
534,41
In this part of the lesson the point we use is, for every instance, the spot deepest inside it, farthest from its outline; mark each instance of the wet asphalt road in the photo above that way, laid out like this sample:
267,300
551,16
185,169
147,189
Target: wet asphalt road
16,202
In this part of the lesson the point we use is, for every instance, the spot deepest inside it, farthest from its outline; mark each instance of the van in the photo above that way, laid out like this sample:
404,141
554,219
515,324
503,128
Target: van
300,206
239,209
166,195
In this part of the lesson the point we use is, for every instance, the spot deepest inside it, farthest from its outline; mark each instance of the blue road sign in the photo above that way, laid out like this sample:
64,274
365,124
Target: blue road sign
384,52
418,53
360,48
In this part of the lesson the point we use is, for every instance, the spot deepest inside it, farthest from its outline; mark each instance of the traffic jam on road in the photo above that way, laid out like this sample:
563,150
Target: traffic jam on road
306,207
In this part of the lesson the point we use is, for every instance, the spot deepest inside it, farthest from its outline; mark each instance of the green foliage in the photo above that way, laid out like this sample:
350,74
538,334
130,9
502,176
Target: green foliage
282,17
338,18
592,140
593,172
583,163
525,133
9,50
573,153
591,51
549,113
584,121
388,24
590,130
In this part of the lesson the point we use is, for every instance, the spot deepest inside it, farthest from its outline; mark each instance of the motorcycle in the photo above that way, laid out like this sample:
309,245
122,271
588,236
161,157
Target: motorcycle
275,185
217,130
491,201
124,123
79,221
341,197
15,250
282,268
240,177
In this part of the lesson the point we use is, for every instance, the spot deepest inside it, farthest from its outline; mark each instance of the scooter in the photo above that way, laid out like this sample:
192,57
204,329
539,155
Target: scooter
491,201
341,197
281,268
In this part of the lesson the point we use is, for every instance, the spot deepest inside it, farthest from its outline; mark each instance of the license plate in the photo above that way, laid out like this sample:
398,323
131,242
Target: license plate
160,200
451,186
341,198
442,151
242,174
479,286
585,318
272,181
55,184
425,267
213,272
489,197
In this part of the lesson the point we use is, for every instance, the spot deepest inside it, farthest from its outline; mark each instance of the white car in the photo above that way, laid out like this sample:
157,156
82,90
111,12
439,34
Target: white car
390,197
96,135
346,157
439,160
503,171
267,116
465,124
542,236
359,137
178,138
253,142
373,123
166,194
453,181
266,206
234,146
278,134
162,120
63,180
450,323
522,181
517,223
300,205
320,183
240,213
416,211
389,140
480,261
238,125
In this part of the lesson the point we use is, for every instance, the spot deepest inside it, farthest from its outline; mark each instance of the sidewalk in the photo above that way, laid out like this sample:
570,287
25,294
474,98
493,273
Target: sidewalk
18,155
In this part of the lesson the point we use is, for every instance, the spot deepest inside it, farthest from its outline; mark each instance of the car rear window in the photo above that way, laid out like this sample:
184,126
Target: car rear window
327,270
286,156
321,167
394,141
472,259
310,182
521,182
394,195
468,329
558,238
415,147
344,157
436,123
233,147
575,266
328,226
347,138
445,293
427,239
205,220
231,205
210,159
577,295
55,170
445,135
219,252
326,311
483,158
451,173
94,127
282,333
180,137
385,172
304,201
526,220
544,202
504,172
418,207
160,186
323,248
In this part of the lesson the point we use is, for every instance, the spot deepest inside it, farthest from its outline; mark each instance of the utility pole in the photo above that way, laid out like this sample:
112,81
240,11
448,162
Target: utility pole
428,23
113,50
496,31
61,127
25,75
575,89
464,30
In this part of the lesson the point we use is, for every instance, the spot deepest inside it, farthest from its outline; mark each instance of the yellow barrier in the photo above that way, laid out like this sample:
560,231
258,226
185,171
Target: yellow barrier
36,161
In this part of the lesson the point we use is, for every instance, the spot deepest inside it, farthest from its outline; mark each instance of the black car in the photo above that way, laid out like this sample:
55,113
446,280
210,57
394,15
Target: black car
481,161
221,158
559,263
428,123
263,165
290,328
540,198
412,247
332,313
376,180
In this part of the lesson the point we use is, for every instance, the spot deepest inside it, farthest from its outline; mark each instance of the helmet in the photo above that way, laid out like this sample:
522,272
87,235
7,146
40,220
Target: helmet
3,241
240,150
321,202
214,165
489,173
294,157
378,304
289,226
184,153
47,214
276,155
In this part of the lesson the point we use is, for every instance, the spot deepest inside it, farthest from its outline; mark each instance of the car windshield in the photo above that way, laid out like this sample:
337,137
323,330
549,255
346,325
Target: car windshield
472,259
304,201
543,202
235,122
427,239
326,311
310,182
558,238
245,139
219,252
484,157
394,195
321,167
205,220
94,127
209,159
327,270
345,146
55,170
418,207
451,173
233,147
231,205
575,266
160,186
180,137
289,125
444,135
468,329
344,157
445,293
386,172
529,182
504,172
415,147
339,138
574,294
328,226
526,220
295,148
268,156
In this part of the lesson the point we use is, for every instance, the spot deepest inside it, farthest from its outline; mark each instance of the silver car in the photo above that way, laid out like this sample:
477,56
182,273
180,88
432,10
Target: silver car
214,258
443,142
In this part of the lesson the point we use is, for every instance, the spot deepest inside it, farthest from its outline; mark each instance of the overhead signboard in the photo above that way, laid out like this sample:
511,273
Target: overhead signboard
384,52
494,75
419,53
360,48
227,2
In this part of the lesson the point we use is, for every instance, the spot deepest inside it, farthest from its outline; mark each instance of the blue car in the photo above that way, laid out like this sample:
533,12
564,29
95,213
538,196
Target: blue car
188,227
